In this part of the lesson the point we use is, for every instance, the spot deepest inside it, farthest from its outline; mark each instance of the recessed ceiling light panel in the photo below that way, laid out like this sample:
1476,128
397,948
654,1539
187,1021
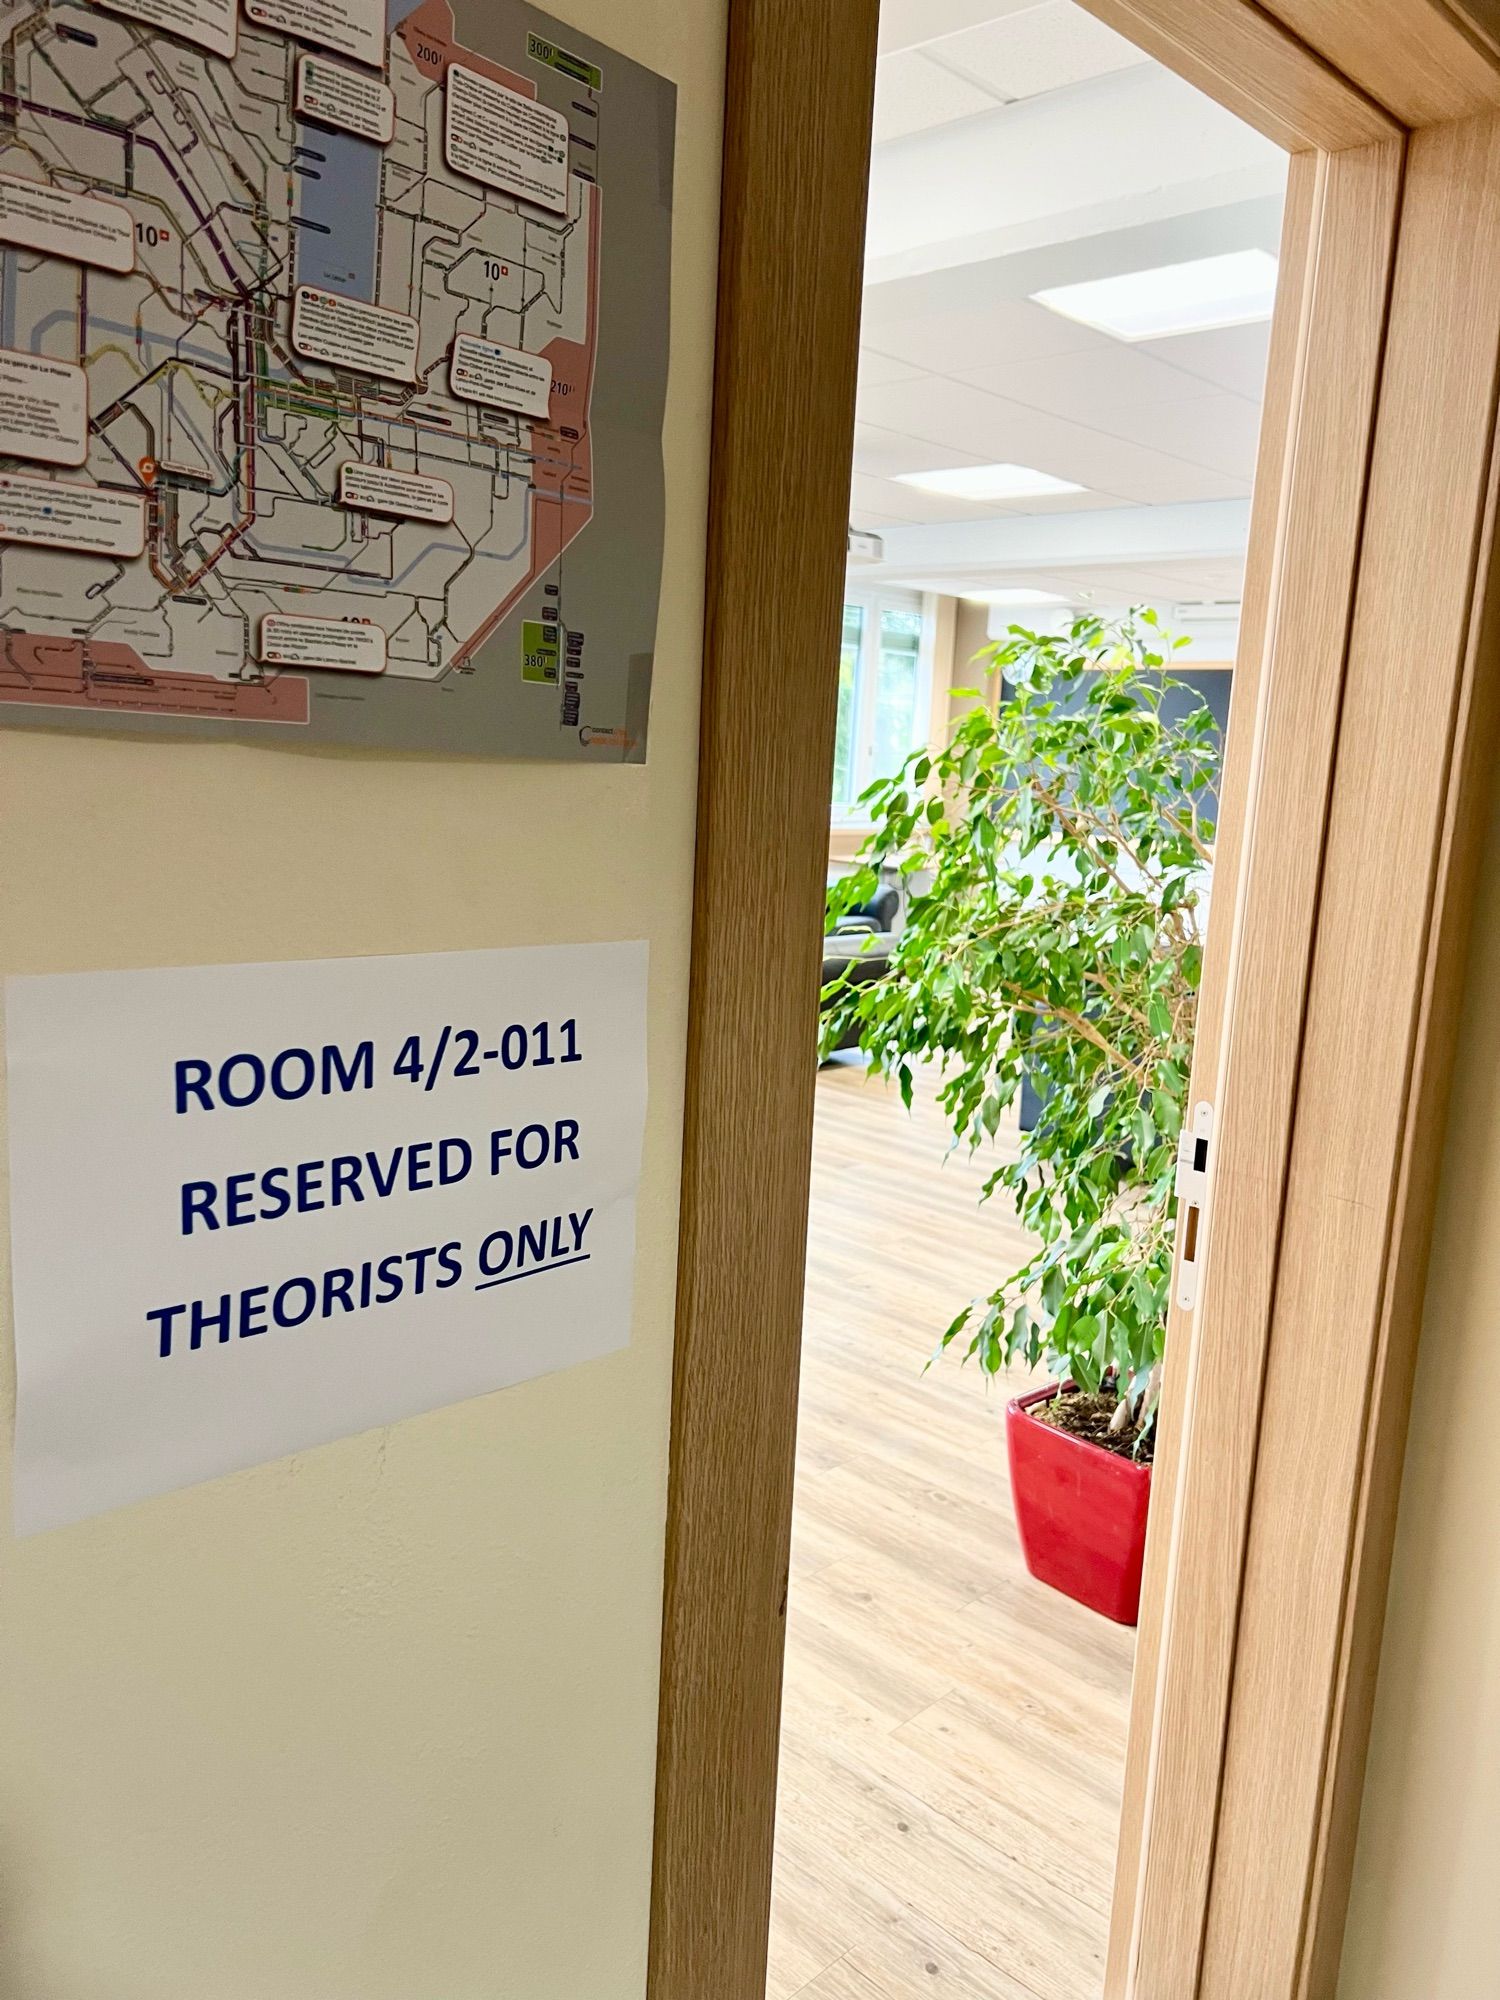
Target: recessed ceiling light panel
1232,290
990,482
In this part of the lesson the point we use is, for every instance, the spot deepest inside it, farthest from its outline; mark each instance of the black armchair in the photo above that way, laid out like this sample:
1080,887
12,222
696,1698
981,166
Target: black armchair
859,946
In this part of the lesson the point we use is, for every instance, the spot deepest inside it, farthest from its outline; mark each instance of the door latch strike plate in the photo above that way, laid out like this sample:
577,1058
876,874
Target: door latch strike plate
1192,1201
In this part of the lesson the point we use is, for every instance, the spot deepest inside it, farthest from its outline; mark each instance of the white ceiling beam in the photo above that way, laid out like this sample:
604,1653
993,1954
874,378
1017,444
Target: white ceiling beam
1028,176
1090,252
1103,537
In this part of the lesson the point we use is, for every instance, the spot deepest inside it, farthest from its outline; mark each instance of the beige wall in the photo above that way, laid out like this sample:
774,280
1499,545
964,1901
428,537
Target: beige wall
1424,1923
376,1723
971,636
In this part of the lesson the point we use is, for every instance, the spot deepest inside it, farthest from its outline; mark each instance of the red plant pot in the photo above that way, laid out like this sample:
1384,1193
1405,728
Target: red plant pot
1081,1511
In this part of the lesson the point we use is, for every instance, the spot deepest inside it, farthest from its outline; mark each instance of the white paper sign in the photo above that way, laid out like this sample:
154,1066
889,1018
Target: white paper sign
496,135
44,409
339,644
377,489
352,27
85,228
482,371
352,333
65,514
258,1207
212,24
347,98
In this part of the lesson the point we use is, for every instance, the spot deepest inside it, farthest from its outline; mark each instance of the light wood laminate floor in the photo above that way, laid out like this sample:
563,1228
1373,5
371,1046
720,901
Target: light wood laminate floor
953,1734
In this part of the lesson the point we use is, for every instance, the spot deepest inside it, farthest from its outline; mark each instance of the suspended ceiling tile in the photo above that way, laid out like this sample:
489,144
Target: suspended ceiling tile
1042,48
887,453
869,495
1089,501
1209,578
867,393
1005,431
957,343
905,24
962,418
876,370
1232,357
1127,583
1152,479
957,415
915,95
1089,384
1218,430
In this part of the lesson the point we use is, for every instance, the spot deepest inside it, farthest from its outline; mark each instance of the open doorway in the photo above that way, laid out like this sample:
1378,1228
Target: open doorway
1069,280
1353,783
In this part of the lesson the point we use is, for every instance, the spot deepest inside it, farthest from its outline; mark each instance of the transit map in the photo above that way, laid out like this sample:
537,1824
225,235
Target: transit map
333,348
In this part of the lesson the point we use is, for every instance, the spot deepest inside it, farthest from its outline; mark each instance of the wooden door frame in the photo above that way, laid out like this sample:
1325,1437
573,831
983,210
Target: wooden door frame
1361,727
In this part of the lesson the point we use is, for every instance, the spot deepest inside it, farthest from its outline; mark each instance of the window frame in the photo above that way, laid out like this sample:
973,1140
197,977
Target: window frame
874,600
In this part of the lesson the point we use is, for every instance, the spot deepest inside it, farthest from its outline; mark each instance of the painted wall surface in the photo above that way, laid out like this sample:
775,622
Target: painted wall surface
376,1723
1424,1922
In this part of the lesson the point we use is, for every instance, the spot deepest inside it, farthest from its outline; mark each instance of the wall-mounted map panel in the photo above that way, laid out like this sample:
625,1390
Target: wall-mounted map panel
371,333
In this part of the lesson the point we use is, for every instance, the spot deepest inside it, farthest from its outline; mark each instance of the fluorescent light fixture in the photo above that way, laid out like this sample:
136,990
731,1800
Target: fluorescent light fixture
989,482
1231,290
1015,597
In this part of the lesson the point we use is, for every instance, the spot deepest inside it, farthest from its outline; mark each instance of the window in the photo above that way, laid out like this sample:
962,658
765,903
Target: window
885,677
844,787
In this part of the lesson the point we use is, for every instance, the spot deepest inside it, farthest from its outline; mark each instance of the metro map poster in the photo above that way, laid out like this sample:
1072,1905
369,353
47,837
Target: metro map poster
333,350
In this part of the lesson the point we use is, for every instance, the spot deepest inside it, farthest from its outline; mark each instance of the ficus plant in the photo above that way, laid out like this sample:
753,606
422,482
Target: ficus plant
1057,855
